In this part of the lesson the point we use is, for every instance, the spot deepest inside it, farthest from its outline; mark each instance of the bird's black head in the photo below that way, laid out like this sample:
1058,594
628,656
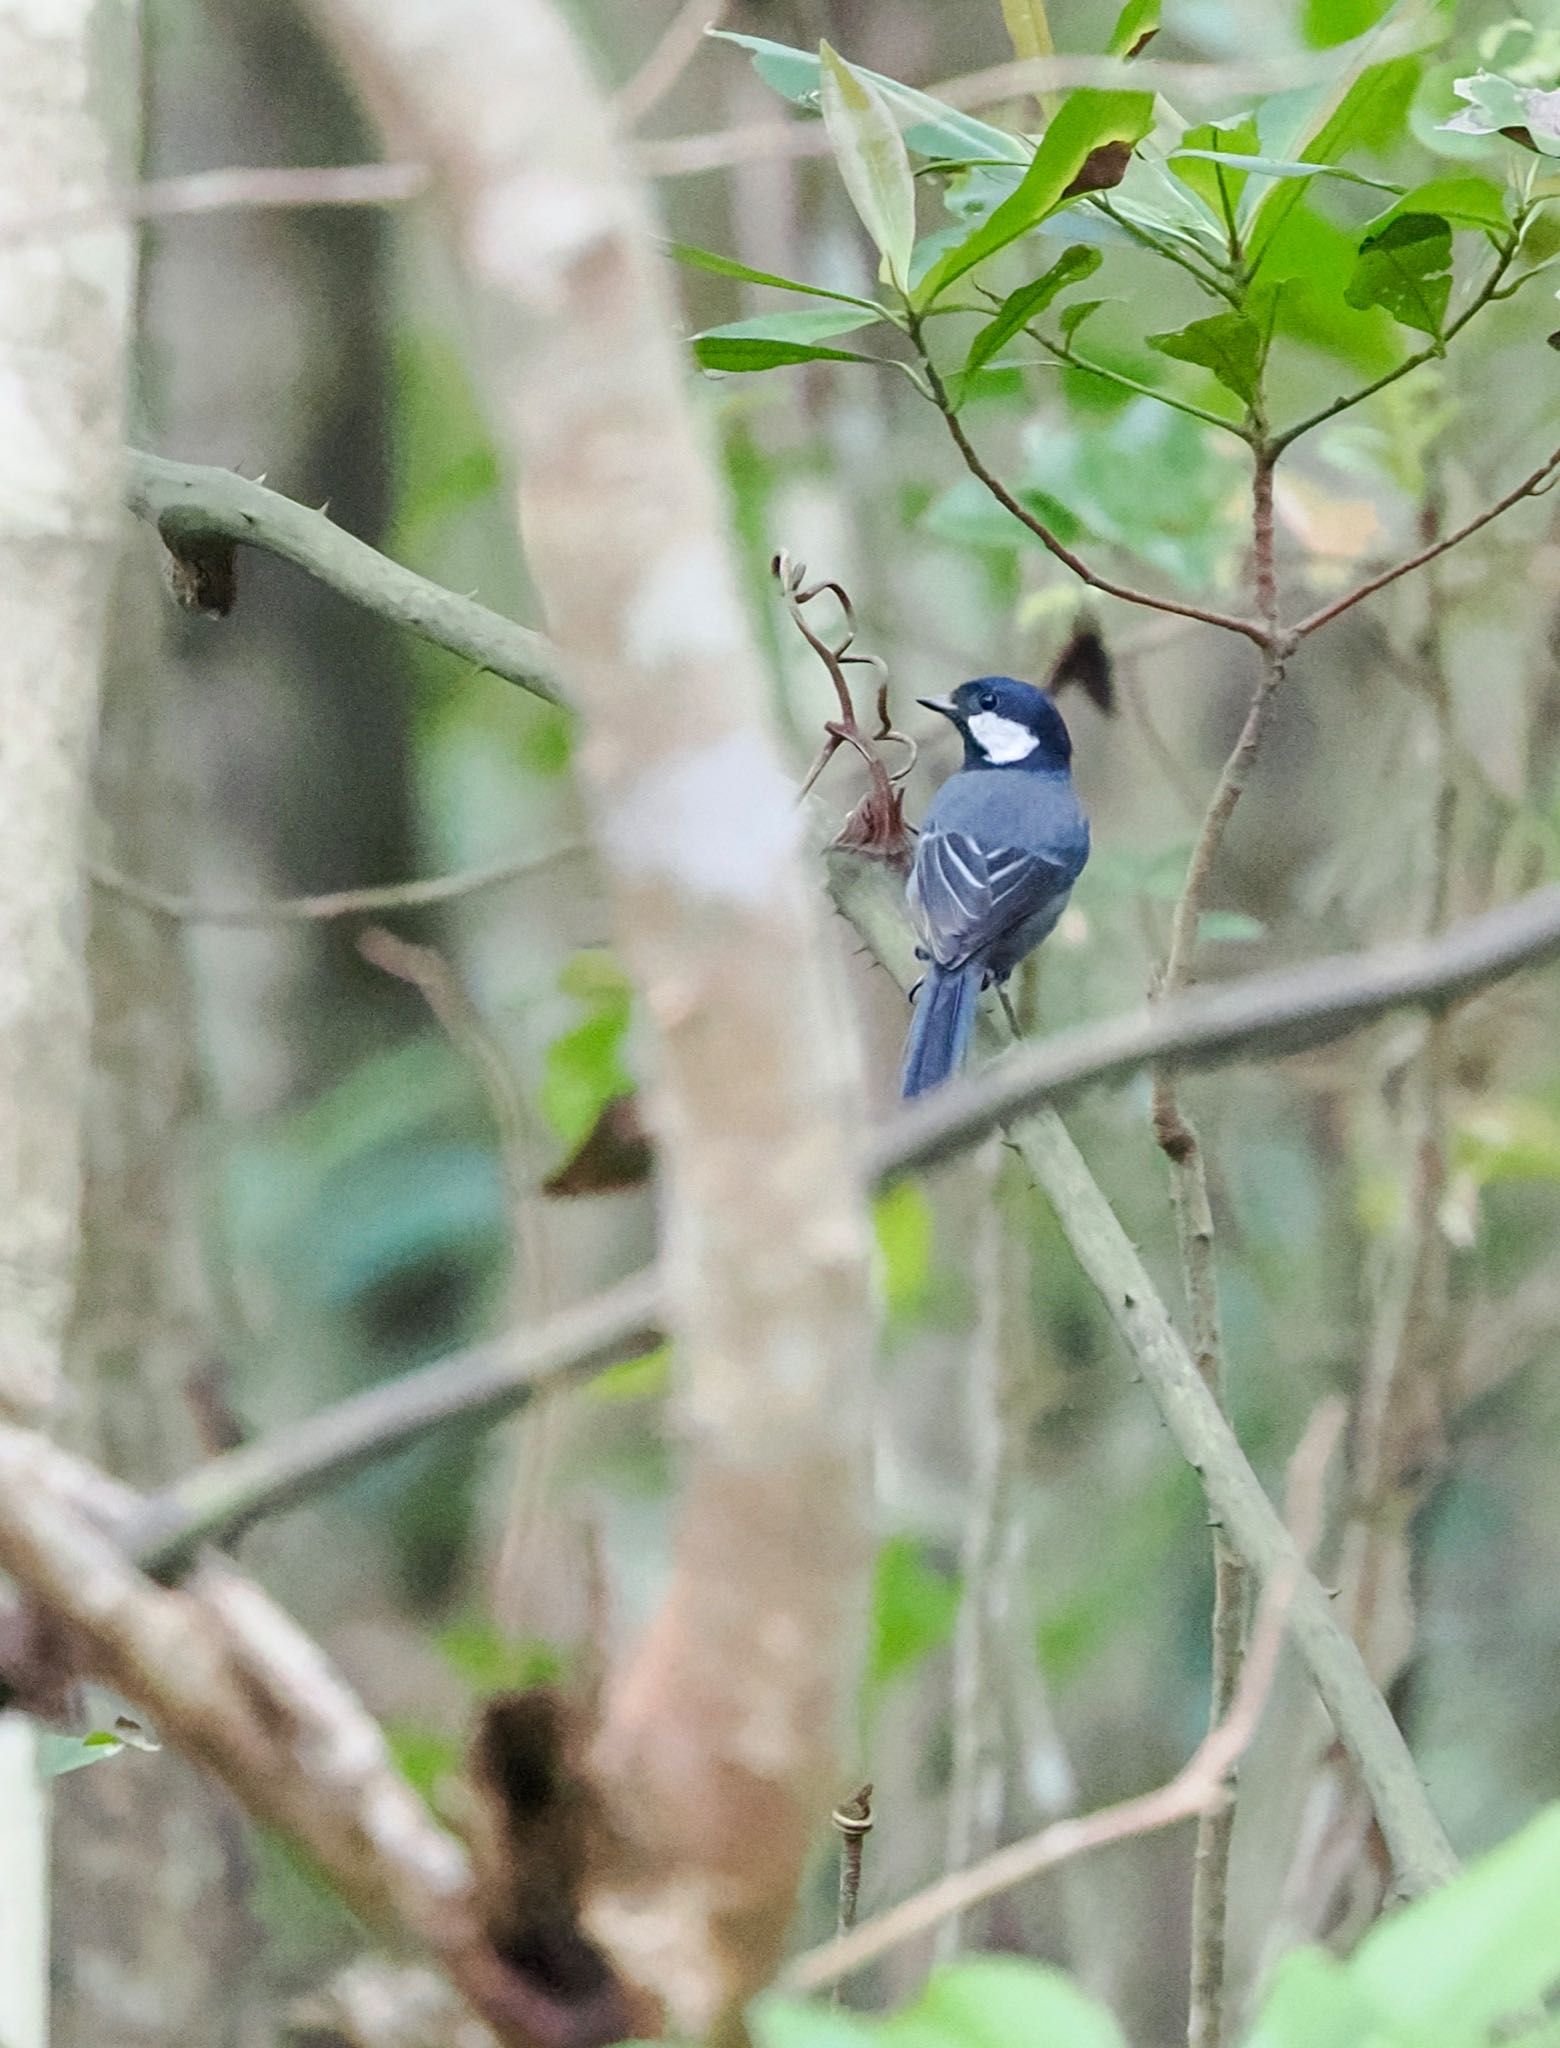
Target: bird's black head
1006,724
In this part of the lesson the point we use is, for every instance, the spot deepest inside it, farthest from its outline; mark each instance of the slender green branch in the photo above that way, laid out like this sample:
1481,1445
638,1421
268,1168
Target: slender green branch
1208,279
197,508
1250,629
1488,291
1064,354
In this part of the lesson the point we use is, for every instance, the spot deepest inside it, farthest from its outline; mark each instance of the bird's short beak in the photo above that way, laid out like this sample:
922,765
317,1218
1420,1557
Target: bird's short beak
945,705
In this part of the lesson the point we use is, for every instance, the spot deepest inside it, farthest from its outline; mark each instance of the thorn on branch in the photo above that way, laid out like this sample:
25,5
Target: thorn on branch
876,827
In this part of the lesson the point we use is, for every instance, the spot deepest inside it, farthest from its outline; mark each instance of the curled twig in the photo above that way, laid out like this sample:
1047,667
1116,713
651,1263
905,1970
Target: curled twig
876,826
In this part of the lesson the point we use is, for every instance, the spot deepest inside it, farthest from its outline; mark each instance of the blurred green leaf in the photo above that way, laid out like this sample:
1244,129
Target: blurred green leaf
1406,268
1325,23
997,2001
872,159
1367,101
1230,927
1086,121
902,1219
932,129
913,1609
1148,480
1232,345
60,1754
488,1661
790,327
1514,1139
985,2002
1028,29
1137,24
726,266
1315,2002
1022,306
584,1068
424,1758
636,1379
1448,1969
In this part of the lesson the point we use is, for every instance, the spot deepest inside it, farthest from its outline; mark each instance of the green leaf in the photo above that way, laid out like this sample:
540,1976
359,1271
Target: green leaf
913,1609
1028,29
1326,23
1315,2002
1497,106
738,353
792,327
1406,267
1195,161
902,1219
932,129
60,1754
1467,202
1232,345
1451,1966
1074,316
1087,121
724,266
997,2001
584,1068
874,164
1022,306
1232,927
1136,24
1369,93
1276,167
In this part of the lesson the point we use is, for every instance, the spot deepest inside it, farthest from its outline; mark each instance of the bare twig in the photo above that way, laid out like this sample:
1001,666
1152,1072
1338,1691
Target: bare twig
239,190
1531,486
679,45
367,902
852,1820
1199,1786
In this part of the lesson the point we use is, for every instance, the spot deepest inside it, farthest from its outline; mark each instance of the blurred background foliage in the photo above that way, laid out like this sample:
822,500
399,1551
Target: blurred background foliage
350,1177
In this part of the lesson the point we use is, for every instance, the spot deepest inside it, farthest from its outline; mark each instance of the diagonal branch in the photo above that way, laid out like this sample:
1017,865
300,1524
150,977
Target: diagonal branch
194,507
1259,1016
1530,487
1229,622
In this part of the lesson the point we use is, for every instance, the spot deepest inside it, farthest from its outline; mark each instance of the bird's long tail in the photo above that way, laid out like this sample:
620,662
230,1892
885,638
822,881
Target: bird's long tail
940,1028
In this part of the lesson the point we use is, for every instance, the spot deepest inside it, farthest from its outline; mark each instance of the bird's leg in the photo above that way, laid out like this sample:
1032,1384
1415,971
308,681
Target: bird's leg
1007,1008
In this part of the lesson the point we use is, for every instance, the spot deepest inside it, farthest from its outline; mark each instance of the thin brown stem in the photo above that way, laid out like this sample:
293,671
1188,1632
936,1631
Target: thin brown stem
1531,486
1249,629
1178,1138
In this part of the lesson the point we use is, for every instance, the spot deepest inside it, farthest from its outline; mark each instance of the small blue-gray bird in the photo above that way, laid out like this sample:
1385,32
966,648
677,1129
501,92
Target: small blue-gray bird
1002,845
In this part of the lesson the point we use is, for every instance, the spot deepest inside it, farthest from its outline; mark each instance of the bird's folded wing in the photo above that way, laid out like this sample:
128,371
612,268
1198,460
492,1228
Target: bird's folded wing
964,897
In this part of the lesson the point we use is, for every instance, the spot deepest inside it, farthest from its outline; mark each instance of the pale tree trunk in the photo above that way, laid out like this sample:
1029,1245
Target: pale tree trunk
64,308
151,1942
717,1754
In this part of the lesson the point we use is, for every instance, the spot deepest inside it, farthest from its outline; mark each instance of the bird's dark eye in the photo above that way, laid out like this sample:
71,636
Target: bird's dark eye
988,700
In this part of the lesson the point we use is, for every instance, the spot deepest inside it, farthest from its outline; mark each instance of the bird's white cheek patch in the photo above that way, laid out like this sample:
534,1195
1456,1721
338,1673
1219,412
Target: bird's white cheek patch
1002,739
